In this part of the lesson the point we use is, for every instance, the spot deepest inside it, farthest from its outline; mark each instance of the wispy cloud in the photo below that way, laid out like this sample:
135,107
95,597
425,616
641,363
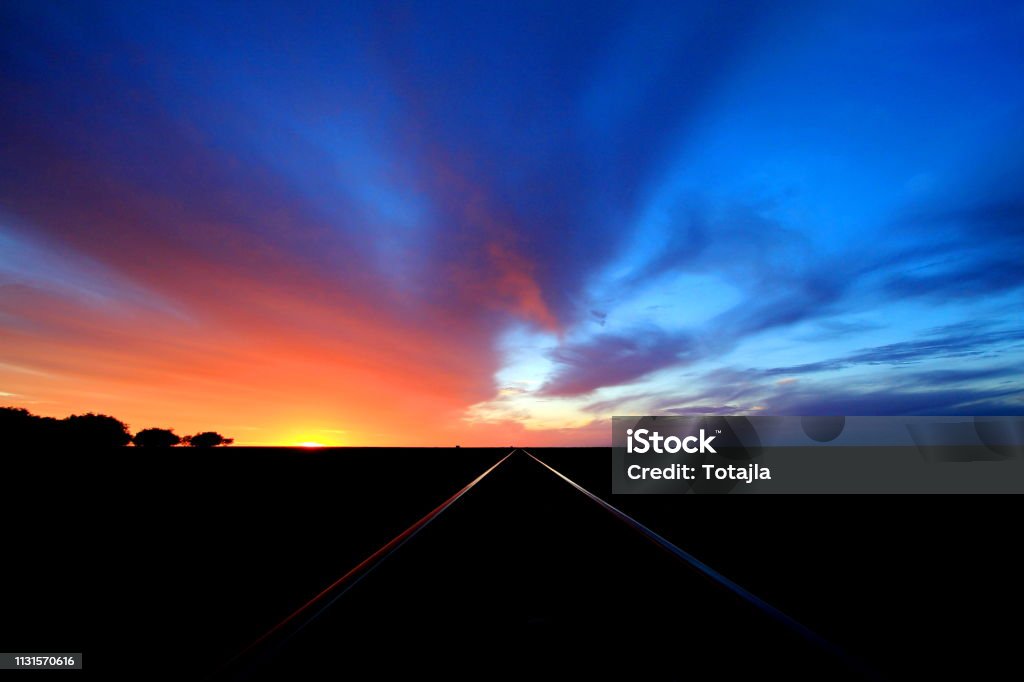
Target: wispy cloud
424,220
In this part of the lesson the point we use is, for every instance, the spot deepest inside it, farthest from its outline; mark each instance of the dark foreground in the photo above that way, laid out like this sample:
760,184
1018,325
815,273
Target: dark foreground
169,564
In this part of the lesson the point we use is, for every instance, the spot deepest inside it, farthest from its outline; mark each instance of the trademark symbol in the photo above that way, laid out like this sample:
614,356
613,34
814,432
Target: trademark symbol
718,431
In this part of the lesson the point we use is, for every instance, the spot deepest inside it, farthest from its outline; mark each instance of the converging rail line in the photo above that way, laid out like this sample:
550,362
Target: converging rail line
357,573
711,573
299,619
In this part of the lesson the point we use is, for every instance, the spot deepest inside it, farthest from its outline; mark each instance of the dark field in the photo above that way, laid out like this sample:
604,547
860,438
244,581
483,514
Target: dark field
173,562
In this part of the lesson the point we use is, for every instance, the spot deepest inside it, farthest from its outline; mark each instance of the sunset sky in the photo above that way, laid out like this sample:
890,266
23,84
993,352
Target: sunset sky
501,223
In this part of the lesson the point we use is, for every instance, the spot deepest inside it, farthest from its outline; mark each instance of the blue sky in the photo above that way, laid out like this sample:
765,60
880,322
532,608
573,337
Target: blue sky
521,219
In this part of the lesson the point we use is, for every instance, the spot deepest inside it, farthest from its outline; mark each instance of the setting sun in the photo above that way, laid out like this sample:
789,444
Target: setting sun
311,444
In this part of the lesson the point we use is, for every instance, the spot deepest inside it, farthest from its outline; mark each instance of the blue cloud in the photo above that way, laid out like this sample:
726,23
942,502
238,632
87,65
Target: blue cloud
690,201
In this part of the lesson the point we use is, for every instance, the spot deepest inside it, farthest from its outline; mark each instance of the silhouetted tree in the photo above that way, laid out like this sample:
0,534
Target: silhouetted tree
156,438
18,427
207,439
10,416
94,430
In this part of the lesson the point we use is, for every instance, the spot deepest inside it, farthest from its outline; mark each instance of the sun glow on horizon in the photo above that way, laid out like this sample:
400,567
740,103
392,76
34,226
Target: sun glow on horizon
311,444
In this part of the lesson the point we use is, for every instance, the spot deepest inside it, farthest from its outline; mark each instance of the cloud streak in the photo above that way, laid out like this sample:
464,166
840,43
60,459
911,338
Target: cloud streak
377,221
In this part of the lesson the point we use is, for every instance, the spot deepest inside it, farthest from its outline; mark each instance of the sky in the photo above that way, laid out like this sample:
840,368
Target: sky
502,223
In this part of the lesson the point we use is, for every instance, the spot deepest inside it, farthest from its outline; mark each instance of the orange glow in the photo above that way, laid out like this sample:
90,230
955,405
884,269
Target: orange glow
263,347
262,376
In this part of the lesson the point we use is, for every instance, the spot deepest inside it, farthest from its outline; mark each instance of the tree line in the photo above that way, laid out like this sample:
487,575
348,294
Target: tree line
20,427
